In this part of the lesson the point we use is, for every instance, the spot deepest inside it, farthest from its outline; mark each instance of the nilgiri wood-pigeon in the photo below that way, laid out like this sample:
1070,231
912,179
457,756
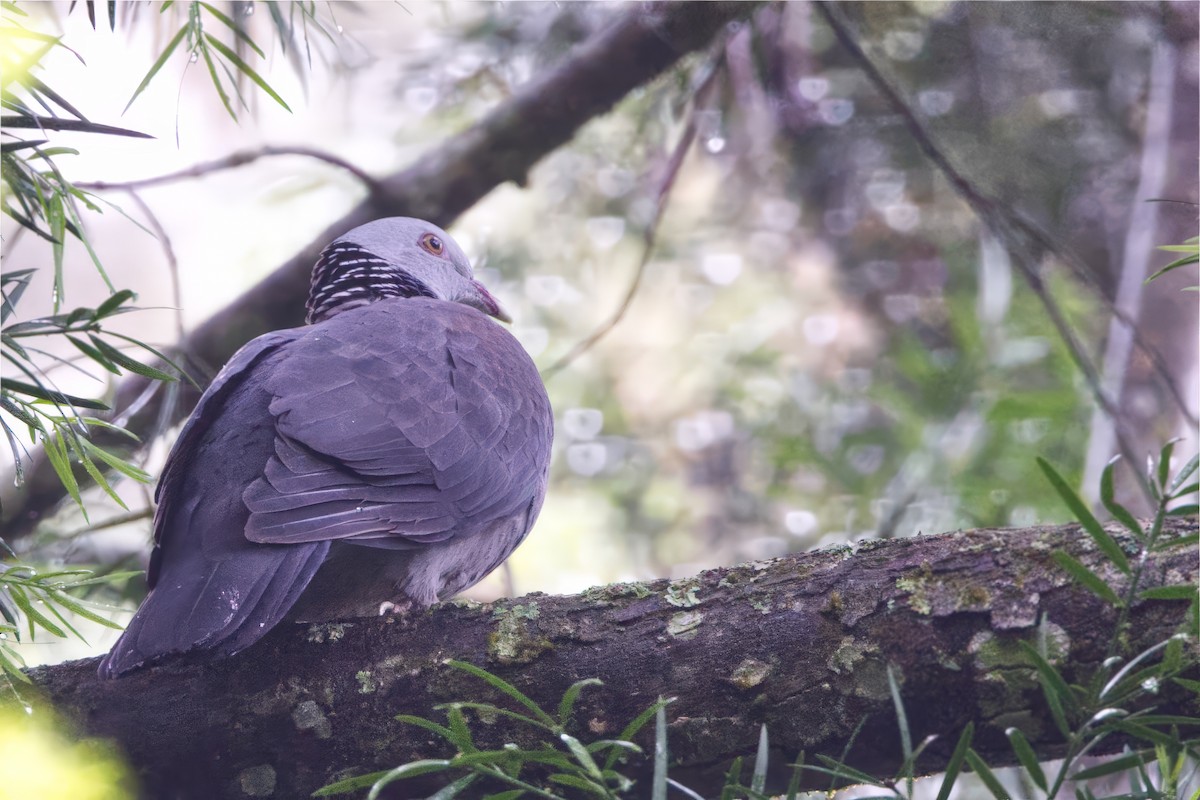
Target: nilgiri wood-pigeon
393,450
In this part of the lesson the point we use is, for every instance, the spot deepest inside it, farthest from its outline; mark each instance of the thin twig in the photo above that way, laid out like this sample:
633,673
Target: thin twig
650,233
233,161
1019,234
112,522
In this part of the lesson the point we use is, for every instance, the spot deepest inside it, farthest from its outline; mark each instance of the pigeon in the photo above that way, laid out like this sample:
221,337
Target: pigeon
390,453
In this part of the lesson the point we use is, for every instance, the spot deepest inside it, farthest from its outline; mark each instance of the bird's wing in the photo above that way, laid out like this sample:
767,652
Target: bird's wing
399,424
210,587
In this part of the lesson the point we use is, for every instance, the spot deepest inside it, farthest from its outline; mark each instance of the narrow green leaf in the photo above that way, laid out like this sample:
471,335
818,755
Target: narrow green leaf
1105,542
158,64
489,709
115,301
33,615
841,770
1086,577
216,79
633,727
980,768
1189,510
459,730
241,34
581,755
576,782
94,354
245,69
428,725
658,781
793,788
733,780
954,765
119,358
120,465
1026,756
409,770
90,468
1186,472
567,704
1119,764
496,682
75,607
350,784
56,451
1119,512
1169,593
49,395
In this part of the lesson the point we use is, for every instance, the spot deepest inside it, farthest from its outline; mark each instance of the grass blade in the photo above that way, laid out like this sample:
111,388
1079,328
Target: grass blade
157,65
1085,517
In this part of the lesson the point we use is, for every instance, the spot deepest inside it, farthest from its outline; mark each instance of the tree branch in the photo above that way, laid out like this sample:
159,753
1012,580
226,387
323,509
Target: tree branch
801,643
641,44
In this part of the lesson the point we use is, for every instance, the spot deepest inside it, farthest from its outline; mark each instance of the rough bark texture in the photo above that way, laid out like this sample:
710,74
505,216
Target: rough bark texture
800,643
640,45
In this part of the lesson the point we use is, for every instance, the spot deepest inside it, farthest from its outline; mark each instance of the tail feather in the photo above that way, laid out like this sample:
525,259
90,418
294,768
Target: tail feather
224,606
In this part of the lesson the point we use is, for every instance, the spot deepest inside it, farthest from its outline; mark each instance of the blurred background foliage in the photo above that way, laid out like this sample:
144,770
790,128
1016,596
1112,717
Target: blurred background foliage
826,343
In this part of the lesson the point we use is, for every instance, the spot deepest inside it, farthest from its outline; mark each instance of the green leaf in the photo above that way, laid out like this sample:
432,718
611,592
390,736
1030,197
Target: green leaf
119,358
658,781
460,732
1189,510
32,615
636,725
1026,756
1086,577
75,607
581,755
409,770
840,770
980,768
56,451
428,725
1119,764
350,784
158,64
94,354
1119,512
507,688
567,704
120,465
49,395
1186,472
954,765
1169,593
115,301
758,778
576,782
1105,542
245,69
241,34
90,468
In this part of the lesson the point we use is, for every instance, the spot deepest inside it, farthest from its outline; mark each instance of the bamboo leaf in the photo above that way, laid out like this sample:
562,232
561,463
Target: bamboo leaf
507,688
1105,542
954,765
1186,472
241,34
1086,577
567,704
980,768
245,69
1119,512
119,358
1026,756
1169,593
158,64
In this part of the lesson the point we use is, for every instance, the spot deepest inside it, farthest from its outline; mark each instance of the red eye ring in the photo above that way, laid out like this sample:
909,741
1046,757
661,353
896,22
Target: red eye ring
433,244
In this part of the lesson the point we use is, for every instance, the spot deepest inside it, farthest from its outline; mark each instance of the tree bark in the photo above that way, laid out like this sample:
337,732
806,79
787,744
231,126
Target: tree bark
640,45
802,644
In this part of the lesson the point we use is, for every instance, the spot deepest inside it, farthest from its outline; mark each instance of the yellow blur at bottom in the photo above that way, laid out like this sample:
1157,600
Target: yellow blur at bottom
39,758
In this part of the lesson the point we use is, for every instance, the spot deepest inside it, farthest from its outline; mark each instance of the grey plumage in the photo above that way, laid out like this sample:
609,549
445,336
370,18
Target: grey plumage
395,449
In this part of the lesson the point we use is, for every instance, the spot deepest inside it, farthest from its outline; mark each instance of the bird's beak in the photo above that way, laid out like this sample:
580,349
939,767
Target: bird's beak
488,304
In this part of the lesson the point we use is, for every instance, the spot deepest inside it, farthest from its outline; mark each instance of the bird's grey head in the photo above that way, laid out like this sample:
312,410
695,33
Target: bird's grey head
394,257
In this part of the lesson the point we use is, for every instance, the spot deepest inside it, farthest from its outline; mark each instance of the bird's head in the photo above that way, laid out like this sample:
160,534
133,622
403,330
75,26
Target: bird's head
394,257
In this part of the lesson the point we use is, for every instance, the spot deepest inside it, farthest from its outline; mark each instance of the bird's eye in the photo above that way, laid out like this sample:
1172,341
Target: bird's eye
433,244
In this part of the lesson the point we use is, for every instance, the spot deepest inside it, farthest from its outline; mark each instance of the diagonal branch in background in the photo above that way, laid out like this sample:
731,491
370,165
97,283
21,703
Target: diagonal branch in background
700,100
641,43
232,161
1024,239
